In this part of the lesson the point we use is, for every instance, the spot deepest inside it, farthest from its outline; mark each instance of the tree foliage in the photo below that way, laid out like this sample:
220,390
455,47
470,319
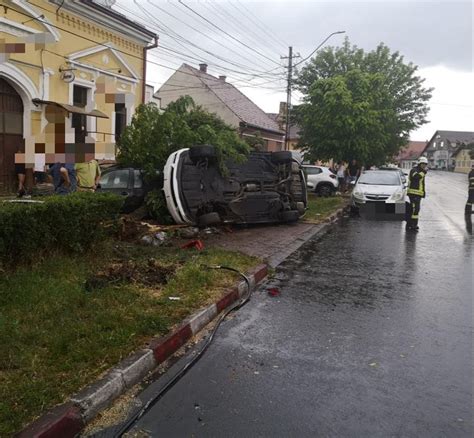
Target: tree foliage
153,135
359,104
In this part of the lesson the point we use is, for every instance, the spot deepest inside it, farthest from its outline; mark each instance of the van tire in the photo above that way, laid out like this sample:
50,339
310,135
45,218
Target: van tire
209,219
290,215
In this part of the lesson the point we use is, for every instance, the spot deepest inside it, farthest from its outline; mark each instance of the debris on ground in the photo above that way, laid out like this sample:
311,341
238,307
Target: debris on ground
188,232
273,291
156,239
197,244
149,273
211,230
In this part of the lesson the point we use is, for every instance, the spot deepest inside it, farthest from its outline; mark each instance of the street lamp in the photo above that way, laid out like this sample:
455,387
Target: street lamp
290,72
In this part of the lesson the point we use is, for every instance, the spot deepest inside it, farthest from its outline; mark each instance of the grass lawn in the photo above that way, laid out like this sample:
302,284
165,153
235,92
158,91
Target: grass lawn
320,208
59,330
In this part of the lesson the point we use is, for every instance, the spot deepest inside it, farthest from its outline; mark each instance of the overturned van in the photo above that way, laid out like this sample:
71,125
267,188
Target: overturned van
267,187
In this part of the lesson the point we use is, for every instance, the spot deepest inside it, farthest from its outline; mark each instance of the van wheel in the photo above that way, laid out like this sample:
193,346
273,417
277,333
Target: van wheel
202,152
209,219
289,216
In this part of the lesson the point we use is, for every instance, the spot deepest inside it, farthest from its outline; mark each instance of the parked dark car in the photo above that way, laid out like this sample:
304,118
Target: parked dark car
127,182
267,187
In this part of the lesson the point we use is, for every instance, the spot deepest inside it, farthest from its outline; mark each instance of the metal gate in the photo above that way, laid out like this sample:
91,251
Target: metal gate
11,133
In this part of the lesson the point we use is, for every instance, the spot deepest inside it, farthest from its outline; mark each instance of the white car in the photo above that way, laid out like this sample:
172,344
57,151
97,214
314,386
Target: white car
381,190
321,180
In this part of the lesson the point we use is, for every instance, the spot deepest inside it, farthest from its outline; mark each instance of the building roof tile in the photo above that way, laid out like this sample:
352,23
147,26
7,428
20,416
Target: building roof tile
246,110
412,151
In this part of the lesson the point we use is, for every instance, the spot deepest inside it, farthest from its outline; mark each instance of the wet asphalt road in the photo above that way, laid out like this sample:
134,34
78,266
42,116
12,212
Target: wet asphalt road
371,336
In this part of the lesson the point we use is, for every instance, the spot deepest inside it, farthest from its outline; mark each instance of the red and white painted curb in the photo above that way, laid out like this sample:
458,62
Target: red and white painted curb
69,419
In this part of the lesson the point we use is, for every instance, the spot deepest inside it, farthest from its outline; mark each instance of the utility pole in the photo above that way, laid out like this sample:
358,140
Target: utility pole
290,73
288,95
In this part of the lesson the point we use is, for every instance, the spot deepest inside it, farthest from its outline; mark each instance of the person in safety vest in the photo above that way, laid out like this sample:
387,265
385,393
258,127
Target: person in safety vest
470,199
416,191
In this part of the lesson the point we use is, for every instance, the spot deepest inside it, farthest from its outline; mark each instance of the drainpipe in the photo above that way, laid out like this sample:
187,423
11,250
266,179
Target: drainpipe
145,49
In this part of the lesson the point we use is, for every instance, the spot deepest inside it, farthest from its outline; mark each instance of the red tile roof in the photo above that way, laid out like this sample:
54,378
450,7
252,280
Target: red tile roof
412,150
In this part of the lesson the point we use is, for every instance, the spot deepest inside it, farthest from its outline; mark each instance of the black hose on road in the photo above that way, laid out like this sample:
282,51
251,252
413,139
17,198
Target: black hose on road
151,402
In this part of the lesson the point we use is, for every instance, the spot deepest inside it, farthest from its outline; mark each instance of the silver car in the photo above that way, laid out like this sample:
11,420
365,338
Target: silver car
380,191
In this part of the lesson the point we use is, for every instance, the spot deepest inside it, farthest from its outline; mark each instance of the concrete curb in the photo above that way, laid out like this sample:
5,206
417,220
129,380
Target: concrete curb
69,419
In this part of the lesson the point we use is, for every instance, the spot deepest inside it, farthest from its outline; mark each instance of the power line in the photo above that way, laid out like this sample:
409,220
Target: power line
186,57
226,33
178,38
96,42
193,17
231,19
260,26
199,32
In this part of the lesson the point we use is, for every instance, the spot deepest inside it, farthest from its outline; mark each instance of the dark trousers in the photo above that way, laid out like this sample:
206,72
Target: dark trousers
412,211
470,201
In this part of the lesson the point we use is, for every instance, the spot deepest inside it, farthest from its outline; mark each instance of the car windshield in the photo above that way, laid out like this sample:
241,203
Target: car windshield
386,178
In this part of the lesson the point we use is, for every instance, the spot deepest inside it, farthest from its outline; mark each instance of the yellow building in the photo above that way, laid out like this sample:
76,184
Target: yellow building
462,161
71,76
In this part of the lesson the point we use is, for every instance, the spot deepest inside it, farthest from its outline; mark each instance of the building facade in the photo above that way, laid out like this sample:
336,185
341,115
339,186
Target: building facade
409,155
71,76
442,146
218,96
462,160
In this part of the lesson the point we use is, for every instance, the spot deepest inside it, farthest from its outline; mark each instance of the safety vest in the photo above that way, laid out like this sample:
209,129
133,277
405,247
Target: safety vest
416,182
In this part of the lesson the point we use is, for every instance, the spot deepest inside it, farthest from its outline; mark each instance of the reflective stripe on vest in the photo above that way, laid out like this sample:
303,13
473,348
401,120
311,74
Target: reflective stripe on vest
420,191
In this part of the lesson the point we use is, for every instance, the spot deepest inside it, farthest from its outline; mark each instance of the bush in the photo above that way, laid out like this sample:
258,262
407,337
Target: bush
69,223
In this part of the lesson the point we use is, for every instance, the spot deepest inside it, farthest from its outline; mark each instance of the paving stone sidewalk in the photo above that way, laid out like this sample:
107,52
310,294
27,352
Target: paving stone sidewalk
272,243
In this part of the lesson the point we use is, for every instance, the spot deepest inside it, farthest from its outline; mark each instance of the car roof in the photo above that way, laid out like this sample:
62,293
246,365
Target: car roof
377,171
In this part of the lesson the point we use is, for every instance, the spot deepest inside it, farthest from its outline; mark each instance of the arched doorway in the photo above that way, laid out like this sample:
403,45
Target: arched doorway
11,133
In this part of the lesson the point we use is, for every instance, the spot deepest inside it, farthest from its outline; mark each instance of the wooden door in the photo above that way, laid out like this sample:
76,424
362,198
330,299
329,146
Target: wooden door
11,133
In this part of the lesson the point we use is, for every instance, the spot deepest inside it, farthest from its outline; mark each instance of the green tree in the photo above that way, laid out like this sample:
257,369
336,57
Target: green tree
359,104
154,134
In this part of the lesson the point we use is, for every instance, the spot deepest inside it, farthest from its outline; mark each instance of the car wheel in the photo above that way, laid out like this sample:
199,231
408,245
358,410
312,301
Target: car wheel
209,219
325,190
289,216
202,152
282,157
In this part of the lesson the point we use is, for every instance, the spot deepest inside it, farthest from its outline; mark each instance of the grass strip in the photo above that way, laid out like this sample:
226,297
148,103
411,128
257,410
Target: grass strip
56,335
320,208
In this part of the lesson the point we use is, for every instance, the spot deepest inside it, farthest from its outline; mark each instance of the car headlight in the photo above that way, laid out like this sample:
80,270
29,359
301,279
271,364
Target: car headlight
397,196
358,194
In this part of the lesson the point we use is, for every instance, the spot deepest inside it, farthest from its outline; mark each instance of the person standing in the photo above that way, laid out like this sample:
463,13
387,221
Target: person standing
64,178
353,171
88,175
341,172
470,199
416,192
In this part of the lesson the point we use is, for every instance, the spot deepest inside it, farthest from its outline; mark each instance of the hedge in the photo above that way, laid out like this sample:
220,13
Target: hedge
70,223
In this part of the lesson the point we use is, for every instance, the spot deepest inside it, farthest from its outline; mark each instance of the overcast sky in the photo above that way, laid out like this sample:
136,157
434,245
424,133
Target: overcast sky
436,36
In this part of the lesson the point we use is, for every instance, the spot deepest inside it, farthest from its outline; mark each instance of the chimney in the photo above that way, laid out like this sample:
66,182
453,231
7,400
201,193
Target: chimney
203,67
282,112
222,78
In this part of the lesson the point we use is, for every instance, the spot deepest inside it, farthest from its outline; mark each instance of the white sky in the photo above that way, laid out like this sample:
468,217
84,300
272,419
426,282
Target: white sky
436,36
